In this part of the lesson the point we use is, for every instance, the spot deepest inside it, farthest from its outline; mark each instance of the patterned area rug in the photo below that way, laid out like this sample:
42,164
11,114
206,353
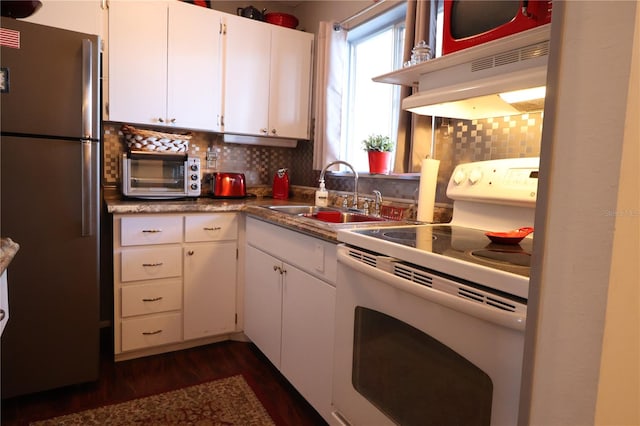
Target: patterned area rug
227,401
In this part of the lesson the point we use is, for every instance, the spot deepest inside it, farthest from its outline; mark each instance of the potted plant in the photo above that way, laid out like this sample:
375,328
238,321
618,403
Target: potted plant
379,149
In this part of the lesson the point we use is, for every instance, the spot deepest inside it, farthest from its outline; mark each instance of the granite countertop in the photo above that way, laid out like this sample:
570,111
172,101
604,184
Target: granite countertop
8,250
253,206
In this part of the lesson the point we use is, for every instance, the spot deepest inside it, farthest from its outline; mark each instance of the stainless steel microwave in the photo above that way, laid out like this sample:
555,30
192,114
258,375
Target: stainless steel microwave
158,175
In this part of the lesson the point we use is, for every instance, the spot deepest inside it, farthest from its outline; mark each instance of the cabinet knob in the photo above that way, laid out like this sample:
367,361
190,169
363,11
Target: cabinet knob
190,252
263,130
172,121
2,314
160,120
274,132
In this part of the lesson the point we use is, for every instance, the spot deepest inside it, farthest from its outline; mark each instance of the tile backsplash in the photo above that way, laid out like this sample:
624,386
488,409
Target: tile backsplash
456,141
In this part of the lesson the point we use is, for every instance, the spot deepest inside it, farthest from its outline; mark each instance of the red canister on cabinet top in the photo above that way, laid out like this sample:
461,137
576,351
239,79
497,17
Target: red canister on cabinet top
281,184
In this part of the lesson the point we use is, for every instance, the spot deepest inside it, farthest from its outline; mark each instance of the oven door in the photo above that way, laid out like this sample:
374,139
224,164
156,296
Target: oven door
415,348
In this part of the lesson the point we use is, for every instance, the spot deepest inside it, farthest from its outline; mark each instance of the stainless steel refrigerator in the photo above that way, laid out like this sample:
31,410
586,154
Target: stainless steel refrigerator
50,204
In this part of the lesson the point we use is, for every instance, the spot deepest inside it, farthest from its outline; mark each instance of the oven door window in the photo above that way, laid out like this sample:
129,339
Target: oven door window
413,378
157,173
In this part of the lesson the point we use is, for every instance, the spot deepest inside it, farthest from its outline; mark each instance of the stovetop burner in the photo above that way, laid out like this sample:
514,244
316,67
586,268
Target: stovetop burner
467,244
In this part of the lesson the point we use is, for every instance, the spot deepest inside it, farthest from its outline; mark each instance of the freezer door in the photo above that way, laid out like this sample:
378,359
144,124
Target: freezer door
44,85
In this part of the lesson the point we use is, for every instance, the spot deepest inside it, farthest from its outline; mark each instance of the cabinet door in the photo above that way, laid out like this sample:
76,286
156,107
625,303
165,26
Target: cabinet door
308,307
246,81
290,83
137,62
83,16
209,289
263,302
194,84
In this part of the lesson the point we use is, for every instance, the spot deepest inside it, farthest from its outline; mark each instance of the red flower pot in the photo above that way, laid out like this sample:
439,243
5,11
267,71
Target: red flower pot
379,162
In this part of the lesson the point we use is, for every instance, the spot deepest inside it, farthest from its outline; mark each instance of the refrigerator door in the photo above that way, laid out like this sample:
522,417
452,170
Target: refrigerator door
52,338
44,89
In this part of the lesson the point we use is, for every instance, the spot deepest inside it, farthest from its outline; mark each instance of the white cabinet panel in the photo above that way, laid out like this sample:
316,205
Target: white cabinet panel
308,310
146,230
263,303
138,61
150,331
290,83
194,67
209,289
246,82
151,263
212,227
150,298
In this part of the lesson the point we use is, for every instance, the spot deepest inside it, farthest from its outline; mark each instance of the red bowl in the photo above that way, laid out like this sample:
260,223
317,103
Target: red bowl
282,19
511,237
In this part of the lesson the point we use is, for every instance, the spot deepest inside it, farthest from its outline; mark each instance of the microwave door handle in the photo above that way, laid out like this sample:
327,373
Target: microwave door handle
87,136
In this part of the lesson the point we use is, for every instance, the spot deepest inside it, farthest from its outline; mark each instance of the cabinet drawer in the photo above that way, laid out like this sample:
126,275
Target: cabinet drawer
151,331
143,299
151,263
211,227
135,231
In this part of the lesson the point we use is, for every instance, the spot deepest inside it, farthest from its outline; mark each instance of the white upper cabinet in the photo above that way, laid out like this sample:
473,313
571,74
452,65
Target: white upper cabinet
164,64
267,79
85,16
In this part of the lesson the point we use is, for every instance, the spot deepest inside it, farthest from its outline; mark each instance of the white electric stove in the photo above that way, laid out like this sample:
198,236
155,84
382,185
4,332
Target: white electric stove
431,318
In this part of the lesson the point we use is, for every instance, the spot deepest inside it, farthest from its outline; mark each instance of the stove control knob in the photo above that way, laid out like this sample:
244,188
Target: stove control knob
459,176
475,176
194,167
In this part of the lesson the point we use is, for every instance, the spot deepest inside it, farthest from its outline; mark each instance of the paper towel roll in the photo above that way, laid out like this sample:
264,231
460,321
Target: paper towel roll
427,190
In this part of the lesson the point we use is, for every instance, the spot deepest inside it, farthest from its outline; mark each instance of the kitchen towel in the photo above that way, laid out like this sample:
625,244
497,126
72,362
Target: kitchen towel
427,189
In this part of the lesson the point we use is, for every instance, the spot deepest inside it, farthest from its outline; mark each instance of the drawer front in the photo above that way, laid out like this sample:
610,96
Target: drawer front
211,227
145,332
143,299
144,230
151,263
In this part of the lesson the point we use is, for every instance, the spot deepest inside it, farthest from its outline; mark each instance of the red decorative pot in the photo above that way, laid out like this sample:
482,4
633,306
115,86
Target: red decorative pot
379,162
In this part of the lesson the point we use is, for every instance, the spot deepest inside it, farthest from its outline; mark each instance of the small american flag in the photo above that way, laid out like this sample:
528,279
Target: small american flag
10,38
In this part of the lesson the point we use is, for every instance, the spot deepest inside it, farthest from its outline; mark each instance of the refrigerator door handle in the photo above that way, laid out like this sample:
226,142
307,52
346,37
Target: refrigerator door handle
87,185
87,89
87,134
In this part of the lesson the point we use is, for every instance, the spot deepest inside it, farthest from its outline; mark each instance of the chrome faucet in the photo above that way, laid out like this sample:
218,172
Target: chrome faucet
378,202
355,175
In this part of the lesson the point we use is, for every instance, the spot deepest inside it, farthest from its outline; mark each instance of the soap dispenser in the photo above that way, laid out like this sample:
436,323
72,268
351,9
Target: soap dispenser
322,196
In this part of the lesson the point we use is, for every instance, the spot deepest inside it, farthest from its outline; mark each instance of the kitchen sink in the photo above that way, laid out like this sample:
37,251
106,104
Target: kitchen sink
328,214
303,210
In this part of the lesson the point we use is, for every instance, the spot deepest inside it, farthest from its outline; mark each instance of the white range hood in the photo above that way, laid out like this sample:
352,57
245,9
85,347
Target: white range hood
467,84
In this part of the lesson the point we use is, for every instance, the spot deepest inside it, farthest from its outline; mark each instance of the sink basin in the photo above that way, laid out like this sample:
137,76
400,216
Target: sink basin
337,216
328,214
303,210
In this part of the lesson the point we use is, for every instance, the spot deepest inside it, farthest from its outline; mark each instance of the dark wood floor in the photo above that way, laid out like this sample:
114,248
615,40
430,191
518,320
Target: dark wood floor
126,380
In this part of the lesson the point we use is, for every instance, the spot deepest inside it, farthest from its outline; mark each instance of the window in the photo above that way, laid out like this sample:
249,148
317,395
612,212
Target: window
375,48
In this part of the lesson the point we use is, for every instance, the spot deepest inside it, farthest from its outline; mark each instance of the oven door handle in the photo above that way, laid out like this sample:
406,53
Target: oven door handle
513,320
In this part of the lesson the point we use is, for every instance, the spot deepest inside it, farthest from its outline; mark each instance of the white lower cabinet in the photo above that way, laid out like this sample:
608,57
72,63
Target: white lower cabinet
290,305
174,281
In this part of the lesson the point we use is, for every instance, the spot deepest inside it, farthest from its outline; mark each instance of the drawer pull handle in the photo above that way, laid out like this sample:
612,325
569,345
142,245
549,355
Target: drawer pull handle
217,228
150,333
155,299
152,264
152,231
